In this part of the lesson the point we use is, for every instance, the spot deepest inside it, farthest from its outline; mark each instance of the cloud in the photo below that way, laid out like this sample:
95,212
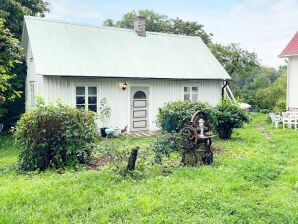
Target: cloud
264,26
74,10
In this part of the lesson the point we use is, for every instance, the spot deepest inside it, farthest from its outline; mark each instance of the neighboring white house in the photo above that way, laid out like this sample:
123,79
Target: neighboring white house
291,55
136,71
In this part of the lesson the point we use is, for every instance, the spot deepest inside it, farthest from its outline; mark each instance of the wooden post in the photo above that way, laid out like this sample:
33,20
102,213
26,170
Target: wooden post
132,159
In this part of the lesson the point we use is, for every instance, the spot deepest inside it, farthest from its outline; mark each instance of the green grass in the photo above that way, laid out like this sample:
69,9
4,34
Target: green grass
8,153
254,179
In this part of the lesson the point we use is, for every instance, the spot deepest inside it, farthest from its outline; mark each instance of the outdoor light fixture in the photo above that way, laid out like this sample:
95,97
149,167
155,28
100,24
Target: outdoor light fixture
124,86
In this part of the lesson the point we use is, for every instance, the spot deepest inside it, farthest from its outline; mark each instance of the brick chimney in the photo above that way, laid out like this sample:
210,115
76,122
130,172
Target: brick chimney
139,26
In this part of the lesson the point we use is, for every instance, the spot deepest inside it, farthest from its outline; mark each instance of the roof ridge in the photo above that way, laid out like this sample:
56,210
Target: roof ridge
105,27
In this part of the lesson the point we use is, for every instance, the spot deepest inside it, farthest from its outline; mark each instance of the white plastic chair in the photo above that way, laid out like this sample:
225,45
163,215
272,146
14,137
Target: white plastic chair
296,121
289,119
277,119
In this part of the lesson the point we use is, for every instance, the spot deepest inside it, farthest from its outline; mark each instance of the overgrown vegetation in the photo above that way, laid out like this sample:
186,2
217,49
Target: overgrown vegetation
228,116
173,116
55,136
253,180
225,117
12,66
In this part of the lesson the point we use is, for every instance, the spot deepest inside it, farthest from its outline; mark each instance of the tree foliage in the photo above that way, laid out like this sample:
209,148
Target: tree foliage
10,55
13,12
161,23
274,96
13,71
240,64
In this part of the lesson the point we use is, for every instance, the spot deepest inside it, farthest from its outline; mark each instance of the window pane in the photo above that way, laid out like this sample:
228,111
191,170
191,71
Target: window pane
194,90
186,97
92,100
81,106
186,90
139,95
194,97
92,108
80,90
80,100
92,91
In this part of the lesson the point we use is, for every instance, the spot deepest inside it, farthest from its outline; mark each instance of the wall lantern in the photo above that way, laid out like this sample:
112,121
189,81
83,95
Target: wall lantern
124,86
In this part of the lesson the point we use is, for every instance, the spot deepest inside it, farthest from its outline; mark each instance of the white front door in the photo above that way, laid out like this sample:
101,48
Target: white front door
139,108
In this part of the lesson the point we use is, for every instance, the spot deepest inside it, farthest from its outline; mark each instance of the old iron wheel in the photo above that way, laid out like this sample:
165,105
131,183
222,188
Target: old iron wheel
191,137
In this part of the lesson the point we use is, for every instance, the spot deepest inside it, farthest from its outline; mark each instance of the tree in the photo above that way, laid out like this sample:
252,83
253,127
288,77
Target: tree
240,64
161,23
190,28
274,96
10,55
13,12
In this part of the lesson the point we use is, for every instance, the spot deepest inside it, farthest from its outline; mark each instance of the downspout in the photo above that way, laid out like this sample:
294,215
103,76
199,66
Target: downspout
223,88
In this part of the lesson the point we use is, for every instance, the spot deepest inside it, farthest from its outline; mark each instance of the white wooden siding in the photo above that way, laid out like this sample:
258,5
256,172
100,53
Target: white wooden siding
160,92
32,78
292,92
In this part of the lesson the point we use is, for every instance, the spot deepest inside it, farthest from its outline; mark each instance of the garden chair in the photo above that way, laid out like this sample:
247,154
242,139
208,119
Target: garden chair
288,119
296,120
277,119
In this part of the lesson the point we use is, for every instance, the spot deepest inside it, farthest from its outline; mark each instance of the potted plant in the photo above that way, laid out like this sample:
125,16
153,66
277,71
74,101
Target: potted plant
104,114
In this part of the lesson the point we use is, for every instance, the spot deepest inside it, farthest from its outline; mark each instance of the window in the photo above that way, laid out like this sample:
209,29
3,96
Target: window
139,95
86,97
32,94
191,93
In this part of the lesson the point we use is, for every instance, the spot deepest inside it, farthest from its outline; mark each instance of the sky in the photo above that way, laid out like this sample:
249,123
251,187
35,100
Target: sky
262,26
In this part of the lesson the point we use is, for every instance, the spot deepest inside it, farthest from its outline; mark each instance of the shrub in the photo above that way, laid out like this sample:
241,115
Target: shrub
119,155
55,136
229,116
166,144
174,116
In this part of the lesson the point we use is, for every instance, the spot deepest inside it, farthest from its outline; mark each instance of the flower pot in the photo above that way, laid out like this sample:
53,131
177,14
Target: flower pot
103,133
116,132
110,131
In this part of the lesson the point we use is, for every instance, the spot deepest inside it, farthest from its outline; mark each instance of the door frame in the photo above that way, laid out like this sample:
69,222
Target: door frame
146,89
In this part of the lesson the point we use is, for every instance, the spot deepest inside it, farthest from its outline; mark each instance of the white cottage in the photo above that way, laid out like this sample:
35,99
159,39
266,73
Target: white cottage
136,71
291,55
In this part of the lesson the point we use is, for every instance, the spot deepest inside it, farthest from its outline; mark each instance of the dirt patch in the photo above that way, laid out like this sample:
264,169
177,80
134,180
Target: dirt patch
263,130
216,148
97,163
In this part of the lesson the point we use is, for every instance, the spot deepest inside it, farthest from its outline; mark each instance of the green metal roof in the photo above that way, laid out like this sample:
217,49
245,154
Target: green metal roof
72,49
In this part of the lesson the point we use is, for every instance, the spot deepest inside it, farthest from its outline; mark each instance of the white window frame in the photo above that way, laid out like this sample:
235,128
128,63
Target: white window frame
191,93
32,93
86,86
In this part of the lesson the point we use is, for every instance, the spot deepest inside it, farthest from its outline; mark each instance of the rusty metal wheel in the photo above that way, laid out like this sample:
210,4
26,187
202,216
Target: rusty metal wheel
191,137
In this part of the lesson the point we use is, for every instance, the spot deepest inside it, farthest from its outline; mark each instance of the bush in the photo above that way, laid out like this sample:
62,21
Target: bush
174,116
55,136
119,156
229,116
166,144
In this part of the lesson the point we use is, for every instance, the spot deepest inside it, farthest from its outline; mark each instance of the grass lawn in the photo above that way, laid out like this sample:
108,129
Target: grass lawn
254,179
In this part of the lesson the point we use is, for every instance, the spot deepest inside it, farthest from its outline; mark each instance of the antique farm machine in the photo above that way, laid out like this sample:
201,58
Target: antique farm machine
197,137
